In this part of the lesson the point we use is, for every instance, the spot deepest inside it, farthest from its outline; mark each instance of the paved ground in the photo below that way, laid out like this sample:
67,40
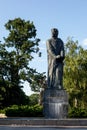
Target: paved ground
37,128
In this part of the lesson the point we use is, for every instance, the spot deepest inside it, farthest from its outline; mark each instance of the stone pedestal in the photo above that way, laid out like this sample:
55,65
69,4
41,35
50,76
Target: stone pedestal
55,103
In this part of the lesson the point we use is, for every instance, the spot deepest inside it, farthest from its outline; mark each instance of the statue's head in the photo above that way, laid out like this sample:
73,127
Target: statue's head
54,32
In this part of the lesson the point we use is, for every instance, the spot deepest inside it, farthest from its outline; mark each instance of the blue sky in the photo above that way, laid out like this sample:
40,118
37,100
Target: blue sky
69,16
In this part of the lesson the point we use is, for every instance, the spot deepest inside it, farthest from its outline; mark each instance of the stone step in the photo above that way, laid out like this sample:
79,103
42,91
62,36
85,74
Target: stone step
43,122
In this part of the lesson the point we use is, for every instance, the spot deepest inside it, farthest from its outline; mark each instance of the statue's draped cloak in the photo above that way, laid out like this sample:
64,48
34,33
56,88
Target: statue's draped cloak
55,47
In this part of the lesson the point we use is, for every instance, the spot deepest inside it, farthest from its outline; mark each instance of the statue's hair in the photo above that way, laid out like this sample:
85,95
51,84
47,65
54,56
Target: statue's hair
54,29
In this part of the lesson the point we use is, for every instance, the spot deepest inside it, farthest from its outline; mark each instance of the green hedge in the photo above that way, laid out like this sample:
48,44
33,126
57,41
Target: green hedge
24,111
37,111
77,113
2,111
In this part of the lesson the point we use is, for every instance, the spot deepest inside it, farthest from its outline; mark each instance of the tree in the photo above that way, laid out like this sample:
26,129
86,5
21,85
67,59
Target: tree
34,99
15,56
75,73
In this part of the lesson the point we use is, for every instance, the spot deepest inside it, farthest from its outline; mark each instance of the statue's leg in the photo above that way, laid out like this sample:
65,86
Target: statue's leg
51,77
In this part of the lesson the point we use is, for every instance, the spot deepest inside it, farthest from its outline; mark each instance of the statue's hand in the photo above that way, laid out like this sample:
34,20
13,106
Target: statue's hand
58,56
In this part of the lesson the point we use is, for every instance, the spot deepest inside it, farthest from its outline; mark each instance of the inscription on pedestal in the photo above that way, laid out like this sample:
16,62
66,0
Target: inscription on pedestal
55,104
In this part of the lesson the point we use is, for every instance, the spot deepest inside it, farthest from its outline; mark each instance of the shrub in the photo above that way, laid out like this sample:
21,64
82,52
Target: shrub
24,111
77,113
2,111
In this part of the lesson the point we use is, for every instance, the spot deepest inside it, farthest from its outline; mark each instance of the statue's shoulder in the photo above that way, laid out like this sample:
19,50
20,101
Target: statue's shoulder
60,40
49,40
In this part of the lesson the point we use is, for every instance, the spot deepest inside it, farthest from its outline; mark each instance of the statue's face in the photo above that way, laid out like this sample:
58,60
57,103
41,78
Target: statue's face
54,33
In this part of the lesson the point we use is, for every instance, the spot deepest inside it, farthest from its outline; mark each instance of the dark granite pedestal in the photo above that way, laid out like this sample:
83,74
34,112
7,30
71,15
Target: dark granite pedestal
55,103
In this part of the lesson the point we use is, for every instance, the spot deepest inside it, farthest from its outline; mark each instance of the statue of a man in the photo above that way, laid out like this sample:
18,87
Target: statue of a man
56,54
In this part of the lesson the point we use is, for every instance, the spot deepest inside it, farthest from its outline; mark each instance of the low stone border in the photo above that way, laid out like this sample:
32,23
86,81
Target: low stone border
44,122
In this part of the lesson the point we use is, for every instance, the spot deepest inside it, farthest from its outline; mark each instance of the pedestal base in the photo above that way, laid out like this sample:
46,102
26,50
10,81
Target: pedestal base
55,103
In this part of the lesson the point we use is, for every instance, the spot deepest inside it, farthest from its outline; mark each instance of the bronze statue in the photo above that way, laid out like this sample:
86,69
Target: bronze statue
56,55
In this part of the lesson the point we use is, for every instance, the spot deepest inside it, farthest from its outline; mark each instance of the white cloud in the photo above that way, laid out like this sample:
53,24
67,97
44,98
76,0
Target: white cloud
27,89
84,43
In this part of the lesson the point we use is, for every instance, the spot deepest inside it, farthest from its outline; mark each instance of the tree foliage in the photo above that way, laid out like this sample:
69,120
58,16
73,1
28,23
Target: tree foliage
34,99
75,73
15,55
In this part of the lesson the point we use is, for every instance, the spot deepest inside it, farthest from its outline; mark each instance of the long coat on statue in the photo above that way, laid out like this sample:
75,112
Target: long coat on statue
55,47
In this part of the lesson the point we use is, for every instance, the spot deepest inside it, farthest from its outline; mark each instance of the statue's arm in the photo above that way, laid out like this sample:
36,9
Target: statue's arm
62,54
